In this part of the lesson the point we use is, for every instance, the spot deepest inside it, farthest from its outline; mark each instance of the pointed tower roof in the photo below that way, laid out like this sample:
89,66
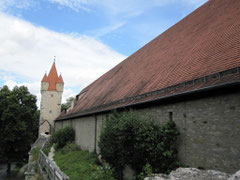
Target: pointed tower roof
45,78
60,79
52,78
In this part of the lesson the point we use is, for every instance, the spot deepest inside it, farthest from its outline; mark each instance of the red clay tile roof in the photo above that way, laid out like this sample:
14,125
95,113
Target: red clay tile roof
201,45
60,79
52,78
45,78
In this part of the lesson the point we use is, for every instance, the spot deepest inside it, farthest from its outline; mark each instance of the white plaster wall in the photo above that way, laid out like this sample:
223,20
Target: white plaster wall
100,124
85,128
50,108
84,132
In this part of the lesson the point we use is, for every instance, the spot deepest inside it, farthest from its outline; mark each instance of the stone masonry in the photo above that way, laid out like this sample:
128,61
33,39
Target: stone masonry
209,129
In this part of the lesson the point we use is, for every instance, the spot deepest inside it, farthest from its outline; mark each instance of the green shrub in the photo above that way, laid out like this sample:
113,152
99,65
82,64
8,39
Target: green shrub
63,136
104,173
147,172
128,140
47,148
35,153
69,147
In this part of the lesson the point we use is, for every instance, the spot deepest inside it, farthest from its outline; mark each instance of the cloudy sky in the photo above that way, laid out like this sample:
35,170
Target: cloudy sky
88,37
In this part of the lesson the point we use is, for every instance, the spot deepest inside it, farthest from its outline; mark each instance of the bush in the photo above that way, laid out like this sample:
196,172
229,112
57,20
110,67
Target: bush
104,173
128,140
47,149
147,172
69,147
63,136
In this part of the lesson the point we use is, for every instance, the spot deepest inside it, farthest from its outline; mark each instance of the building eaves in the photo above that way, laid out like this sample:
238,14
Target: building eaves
206,83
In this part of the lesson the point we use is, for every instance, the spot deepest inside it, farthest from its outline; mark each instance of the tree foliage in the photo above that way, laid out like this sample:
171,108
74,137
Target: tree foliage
128,140
18,123
67,104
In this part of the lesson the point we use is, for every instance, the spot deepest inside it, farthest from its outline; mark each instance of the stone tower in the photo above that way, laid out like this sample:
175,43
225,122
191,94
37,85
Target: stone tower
50,108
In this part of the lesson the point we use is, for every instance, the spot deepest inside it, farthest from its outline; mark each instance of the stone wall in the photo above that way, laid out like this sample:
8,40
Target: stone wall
209,127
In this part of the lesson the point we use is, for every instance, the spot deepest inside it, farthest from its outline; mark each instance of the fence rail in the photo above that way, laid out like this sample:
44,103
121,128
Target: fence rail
50,168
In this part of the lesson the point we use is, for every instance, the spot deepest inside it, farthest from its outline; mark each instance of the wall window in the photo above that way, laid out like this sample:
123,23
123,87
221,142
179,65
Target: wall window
170,114
50,111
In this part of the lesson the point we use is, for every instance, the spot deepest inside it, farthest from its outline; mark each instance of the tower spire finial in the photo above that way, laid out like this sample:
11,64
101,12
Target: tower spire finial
54,59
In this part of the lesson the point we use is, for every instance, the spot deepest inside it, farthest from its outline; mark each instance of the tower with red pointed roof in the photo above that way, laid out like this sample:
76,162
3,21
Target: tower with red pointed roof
50,108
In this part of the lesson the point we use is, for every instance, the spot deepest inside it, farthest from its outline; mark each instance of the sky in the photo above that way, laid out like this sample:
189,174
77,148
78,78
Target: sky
86,37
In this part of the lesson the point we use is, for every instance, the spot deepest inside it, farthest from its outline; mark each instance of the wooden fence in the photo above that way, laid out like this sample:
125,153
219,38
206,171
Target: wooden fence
49,167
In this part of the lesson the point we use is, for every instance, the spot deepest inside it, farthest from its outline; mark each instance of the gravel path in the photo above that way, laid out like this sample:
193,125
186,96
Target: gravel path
51,153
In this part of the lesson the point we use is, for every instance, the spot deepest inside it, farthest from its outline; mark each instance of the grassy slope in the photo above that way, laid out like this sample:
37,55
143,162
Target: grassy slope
78,164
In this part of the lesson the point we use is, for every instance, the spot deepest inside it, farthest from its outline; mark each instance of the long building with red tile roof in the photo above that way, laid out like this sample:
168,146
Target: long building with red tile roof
190,74
200,48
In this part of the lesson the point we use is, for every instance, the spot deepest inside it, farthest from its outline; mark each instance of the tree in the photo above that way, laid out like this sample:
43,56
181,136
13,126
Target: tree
18,124
67,104
136,141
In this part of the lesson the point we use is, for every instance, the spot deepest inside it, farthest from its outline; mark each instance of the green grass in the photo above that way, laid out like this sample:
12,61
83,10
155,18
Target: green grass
47,149
35,154
78,164
81,165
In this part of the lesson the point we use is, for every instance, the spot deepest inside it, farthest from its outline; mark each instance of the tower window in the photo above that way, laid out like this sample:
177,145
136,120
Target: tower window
170,116
50,111
51,95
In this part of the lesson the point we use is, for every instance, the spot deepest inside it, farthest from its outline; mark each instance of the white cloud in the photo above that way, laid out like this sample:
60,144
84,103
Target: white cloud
27,52
76,5
118,13
121,7
128,8
67,93
23,4
106,30
113,7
